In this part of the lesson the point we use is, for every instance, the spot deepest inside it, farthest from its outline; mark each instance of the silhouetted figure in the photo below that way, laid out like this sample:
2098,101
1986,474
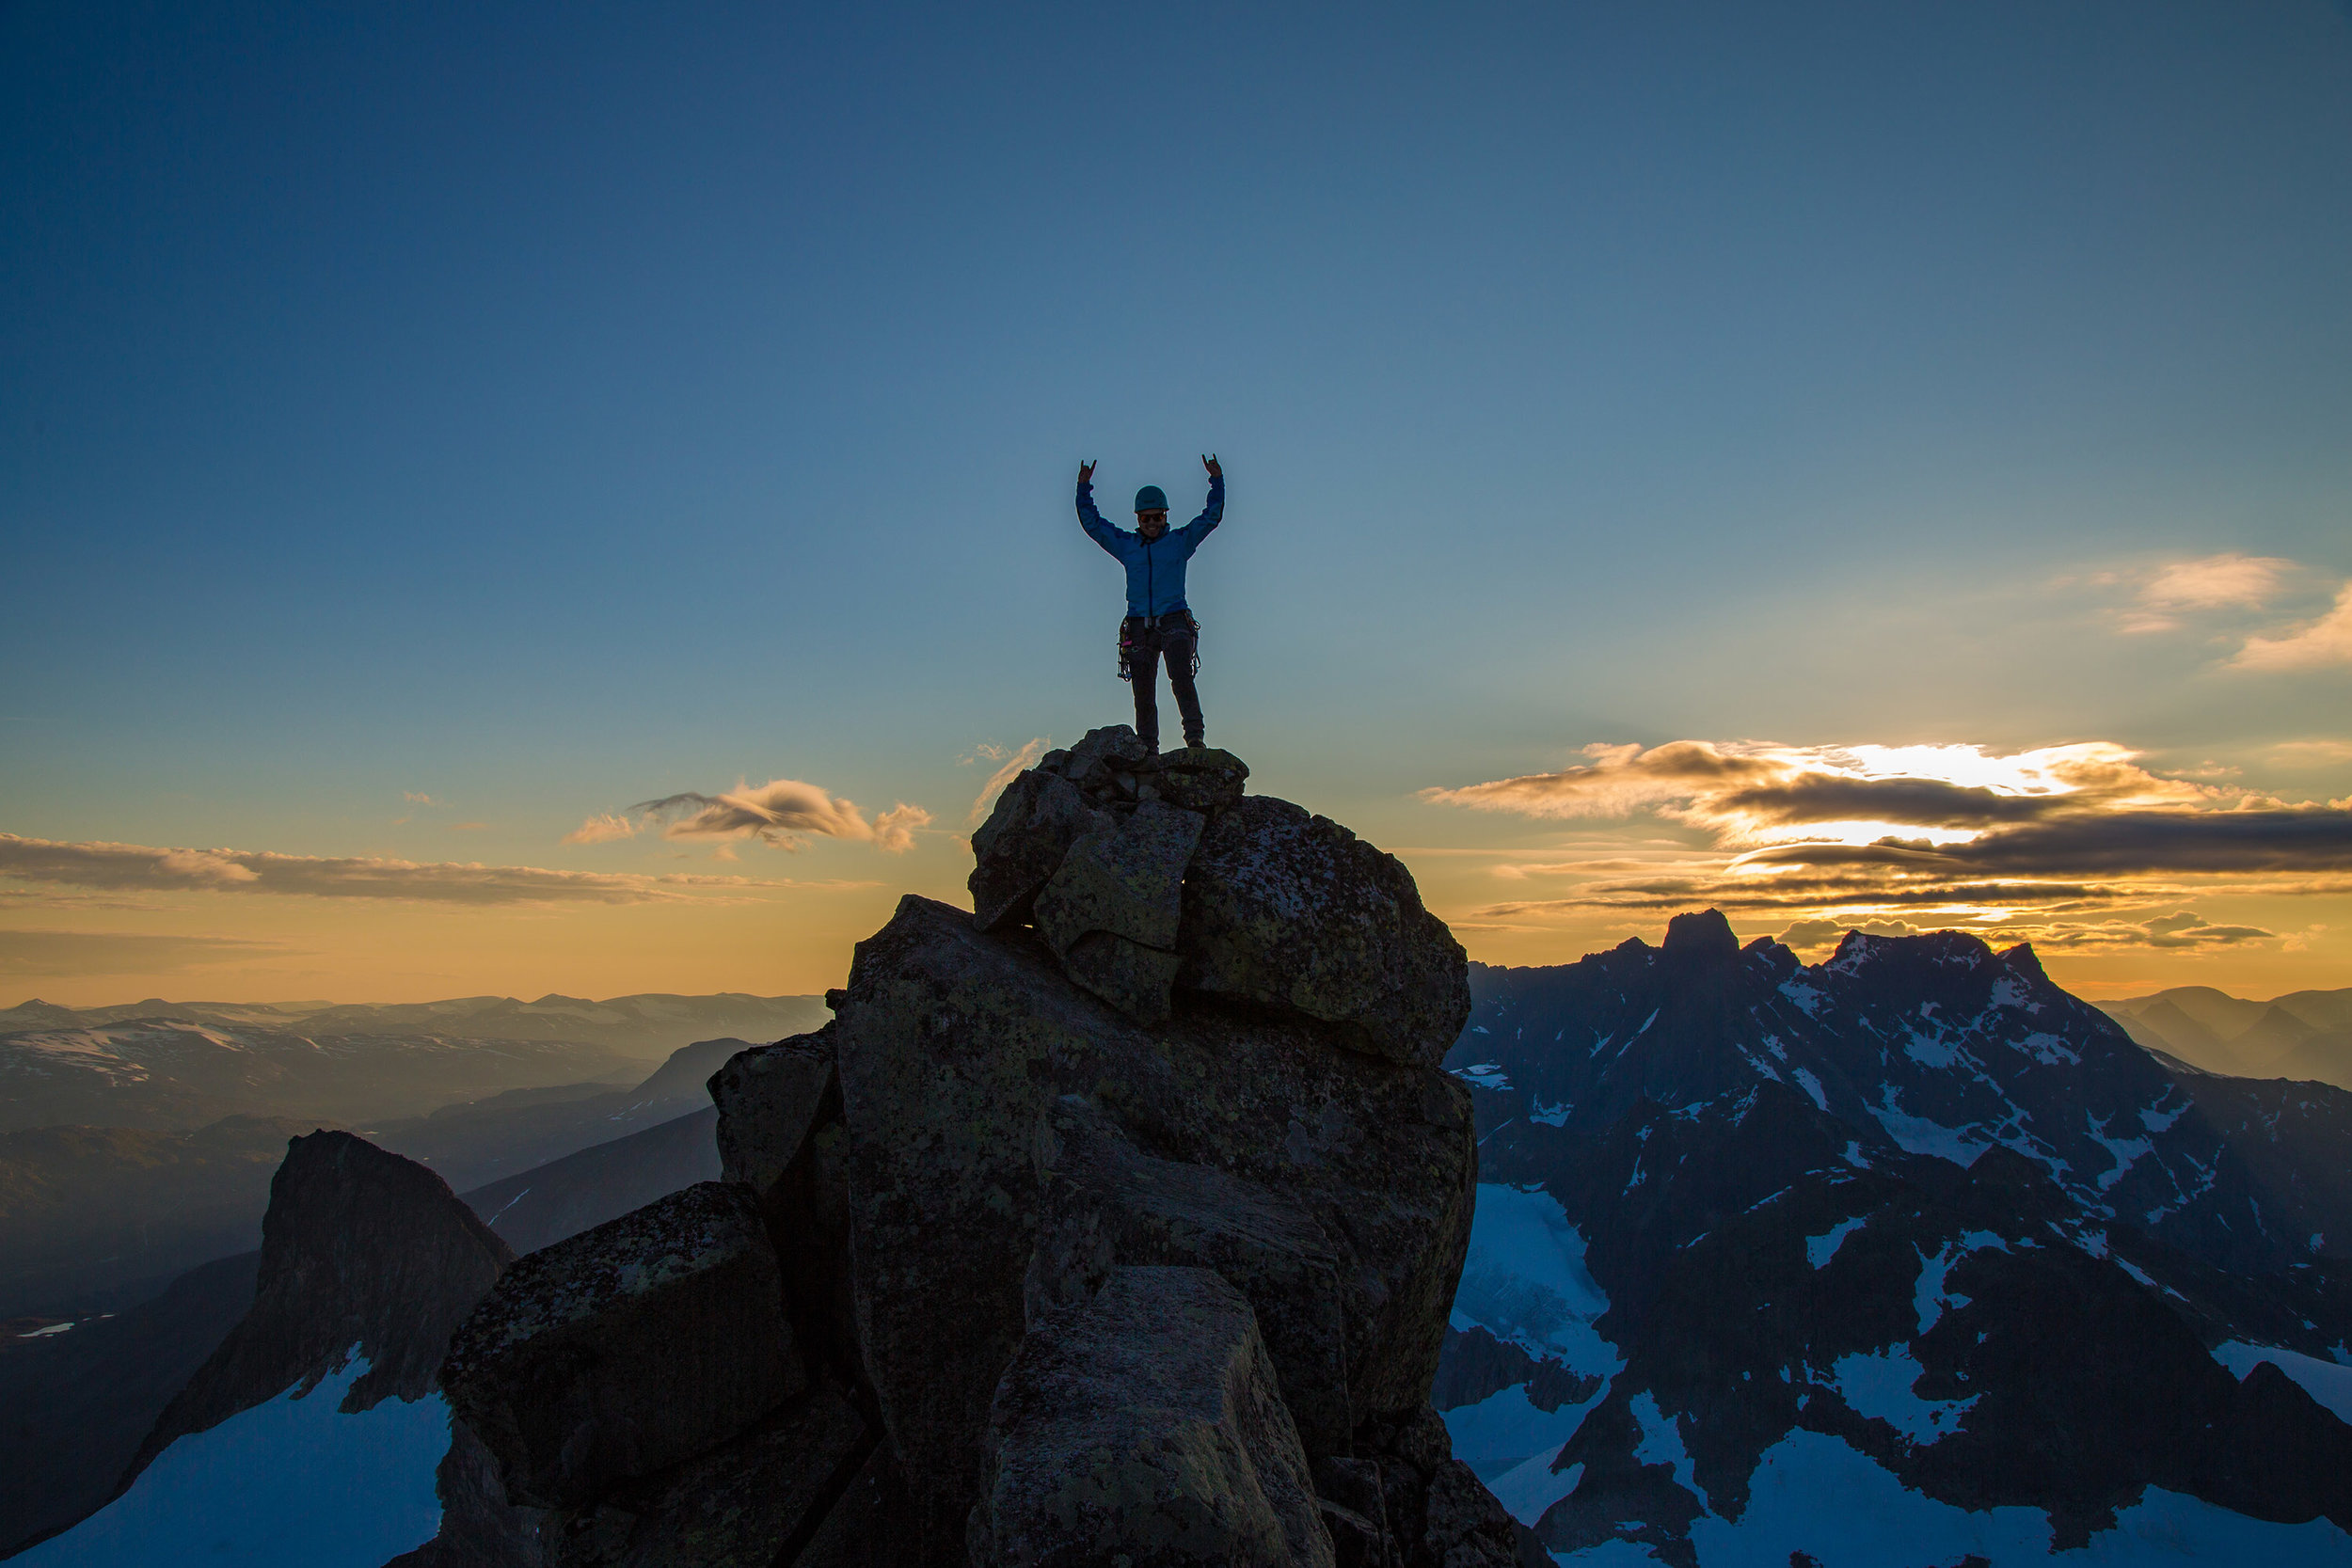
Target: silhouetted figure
1158,621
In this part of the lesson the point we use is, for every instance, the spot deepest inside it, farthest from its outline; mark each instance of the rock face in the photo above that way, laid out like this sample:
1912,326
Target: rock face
1145,1157
628,1348
360,1248
1144,1426
367,1254
1297,913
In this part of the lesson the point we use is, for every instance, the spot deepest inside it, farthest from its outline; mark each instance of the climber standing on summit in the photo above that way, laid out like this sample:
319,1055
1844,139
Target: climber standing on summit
1158,621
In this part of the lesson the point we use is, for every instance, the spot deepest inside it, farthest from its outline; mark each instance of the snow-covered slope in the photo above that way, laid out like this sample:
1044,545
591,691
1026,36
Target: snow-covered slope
322,1402
293,1480
1910,1246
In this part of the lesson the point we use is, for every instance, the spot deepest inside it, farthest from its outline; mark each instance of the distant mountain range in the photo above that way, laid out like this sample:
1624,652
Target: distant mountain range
1908,1255
93,1219
184,1064
651,1024
1904,1257
2305,1034
79,1404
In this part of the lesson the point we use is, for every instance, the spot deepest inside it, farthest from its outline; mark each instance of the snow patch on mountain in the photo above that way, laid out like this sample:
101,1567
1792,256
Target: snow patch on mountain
1524,1281
1930,1297
2127,1151
1506,1424
1661,1443
1819,1250
1878,1385
1815,1495
1528,1488
2327,1381
1920,1135
293,1479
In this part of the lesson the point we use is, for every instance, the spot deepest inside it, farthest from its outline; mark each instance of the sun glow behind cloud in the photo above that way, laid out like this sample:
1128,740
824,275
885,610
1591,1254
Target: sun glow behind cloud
2074,846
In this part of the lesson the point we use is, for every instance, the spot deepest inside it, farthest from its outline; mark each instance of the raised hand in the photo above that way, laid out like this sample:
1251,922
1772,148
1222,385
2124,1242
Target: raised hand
1209,462
1085,473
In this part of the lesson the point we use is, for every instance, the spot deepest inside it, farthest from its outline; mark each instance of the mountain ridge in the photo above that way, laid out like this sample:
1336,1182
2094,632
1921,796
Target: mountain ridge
1826,1212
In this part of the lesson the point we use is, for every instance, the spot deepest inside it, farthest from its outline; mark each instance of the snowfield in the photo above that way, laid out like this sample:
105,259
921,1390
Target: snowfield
294,1480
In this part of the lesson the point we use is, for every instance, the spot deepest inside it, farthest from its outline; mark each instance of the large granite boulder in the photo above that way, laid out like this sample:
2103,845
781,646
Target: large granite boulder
1110,911
1201,778
953,1045
780,1136
1125,876
1107,1202
1144,1427
1036,820
631,1347
768,1101
1291,911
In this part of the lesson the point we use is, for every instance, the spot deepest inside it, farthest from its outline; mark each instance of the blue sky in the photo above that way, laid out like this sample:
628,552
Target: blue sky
544,411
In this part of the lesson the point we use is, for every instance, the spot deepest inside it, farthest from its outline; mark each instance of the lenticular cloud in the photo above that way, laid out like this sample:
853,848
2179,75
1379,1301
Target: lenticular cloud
785,812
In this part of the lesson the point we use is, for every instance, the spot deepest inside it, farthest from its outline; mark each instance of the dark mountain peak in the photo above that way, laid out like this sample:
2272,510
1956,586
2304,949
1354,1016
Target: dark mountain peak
1705,936
2004,1188
1947,950
687,1074
2027,963
362,1252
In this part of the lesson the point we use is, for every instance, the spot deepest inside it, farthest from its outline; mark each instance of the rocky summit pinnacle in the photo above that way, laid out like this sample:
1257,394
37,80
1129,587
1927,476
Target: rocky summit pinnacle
364,1255
1113,1221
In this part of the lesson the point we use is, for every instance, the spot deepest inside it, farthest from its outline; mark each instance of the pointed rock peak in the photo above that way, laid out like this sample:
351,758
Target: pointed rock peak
1704,936
2024,961
362,1252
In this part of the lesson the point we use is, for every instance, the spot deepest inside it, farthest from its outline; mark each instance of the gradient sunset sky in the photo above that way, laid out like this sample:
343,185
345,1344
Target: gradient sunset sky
521,499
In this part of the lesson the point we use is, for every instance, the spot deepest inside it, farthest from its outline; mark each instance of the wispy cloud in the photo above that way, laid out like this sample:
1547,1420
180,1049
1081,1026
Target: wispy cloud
785,812
2226,581
140,867
2311,753
2312,646
603,827
418,798
1015,765
42,954
2263,603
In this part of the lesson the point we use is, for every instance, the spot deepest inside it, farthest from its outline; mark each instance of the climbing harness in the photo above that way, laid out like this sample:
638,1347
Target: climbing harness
1132,630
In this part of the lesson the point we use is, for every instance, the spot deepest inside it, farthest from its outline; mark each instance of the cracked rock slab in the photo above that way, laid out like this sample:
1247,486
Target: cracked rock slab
1144,1427
627,1347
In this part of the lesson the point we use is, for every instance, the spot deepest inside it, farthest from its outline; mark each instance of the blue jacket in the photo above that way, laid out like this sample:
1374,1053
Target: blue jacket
1155,571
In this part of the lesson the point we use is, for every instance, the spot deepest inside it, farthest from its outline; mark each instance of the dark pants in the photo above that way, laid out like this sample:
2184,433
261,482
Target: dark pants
1145,644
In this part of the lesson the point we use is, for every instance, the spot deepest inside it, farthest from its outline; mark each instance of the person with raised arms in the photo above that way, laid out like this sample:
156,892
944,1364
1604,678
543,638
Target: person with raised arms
1159,624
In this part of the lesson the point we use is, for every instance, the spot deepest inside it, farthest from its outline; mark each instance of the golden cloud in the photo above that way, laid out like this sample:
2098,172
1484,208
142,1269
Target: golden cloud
785,812
2056,844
